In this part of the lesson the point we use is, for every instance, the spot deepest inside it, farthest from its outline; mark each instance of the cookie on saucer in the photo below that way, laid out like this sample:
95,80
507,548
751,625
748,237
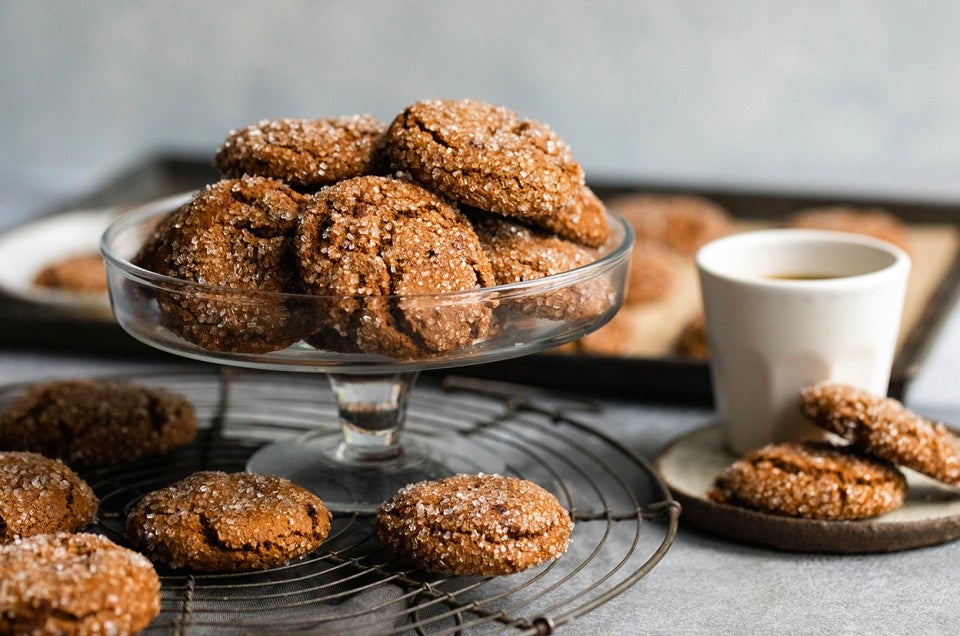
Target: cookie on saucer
885,428
812,481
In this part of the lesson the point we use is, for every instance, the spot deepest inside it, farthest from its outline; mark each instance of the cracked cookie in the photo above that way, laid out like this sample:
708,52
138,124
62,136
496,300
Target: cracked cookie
474,525
237,233
75,584
518,253
228,522
383,251
485,156
885,428
96,422
813,481
305,153
584,220
39,495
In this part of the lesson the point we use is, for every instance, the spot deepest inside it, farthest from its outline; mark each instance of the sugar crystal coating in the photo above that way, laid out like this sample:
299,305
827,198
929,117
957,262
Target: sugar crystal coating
75,584
306,242
237,234
305,153
39,495
519,253
385,250
885,428
480,525
228,522
810,480
583,220
485,156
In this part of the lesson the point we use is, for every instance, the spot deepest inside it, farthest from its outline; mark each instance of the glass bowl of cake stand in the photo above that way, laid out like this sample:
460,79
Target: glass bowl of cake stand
362,462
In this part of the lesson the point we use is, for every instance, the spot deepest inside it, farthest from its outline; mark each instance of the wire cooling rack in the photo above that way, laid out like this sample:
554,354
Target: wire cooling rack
625,517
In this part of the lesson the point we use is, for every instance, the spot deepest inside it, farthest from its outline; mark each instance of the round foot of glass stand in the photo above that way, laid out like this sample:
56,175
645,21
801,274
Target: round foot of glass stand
356,469
316,462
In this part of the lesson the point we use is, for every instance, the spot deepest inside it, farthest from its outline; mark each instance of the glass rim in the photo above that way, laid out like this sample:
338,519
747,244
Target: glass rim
781,238
137,216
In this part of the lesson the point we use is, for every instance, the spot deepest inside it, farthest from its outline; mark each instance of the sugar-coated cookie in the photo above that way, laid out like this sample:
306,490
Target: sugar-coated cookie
519,253
228,522
885,428
84,273
481,525
583,220
305,153
681,222
238,234
485,156
381,249
811,480
39,495
75,584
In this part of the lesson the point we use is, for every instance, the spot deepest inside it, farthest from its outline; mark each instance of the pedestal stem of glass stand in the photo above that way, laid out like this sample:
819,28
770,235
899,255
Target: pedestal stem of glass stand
372,409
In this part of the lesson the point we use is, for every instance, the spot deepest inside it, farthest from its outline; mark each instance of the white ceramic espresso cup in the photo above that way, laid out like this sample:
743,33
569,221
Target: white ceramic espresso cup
787,308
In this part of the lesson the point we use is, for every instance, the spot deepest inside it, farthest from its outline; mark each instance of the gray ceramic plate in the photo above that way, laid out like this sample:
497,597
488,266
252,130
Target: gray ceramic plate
930,515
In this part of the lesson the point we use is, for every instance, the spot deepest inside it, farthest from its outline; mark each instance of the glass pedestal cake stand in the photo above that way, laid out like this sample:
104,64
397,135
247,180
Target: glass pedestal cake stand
369,458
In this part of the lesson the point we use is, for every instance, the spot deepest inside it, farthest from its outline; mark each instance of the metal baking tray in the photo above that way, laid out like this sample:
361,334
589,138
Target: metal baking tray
667,379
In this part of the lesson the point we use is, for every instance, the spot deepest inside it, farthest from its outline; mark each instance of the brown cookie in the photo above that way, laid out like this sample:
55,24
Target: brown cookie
874,222
692,341
83,273
485,156
305,153
381,248
96,422
584,220
228,522
653,273
614,337
237,233
519,253
75,584
813,481
474,525
39,495
681,222
885,428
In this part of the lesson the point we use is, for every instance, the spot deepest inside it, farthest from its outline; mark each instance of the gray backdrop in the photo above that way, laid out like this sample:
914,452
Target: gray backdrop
813,94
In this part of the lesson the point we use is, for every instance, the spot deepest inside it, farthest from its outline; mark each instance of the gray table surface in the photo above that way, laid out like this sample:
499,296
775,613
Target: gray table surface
703,585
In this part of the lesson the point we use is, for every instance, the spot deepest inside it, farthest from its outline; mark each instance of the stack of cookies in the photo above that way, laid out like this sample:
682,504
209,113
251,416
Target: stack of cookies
363,218
58,579
858,480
